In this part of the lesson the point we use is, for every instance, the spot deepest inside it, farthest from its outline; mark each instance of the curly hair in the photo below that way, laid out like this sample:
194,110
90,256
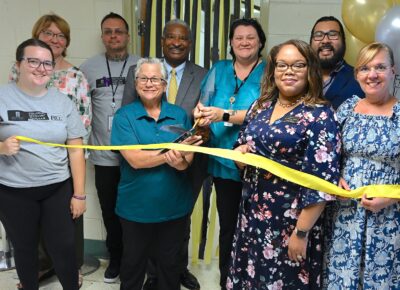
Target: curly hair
313,93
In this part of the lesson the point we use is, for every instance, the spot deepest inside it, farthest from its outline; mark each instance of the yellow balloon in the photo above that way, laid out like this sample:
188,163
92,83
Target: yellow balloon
362,16
353,47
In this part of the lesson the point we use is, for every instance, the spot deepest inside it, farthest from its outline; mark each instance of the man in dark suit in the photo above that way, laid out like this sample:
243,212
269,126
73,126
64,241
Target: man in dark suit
184,81
328,41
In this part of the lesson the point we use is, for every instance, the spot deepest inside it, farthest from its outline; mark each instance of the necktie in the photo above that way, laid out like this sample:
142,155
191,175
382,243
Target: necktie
173,87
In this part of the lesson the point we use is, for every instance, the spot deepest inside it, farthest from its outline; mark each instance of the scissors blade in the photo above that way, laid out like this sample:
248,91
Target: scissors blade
183,136
177,129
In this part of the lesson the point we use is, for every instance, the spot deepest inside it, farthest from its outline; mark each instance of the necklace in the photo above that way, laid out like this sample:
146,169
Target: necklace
290,104
232,99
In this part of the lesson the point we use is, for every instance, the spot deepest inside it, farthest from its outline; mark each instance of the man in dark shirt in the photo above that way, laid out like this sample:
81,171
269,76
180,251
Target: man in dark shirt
328,41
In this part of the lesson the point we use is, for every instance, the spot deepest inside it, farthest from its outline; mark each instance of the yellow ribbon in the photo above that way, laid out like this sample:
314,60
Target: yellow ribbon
284,172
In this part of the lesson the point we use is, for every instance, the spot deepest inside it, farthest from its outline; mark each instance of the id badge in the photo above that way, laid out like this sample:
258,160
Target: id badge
110,121
227,124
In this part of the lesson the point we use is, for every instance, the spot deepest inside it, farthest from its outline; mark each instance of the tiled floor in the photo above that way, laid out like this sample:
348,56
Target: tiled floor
208,276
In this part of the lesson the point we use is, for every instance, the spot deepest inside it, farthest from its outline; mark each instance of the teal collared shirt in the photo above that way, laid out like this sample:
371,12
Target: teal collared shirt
156,194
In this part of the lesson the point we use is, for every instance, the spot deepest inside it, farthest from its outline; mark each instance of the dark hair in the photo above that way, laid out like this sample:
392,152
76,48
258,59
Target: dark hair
20,53
334,19
247,22
177,22
313,90
116,16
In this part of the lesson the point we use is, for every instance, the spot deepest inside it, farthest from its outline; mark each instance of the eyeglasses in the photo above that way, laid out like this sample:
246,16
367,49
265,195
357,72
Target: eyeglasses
154,81
33,62
51,34
320,35
379,69
117,32
296,67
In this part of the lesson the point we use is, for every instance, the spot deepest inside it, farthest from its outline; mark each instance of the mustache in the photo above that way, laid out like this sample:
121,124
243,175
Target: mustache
180,48
326,46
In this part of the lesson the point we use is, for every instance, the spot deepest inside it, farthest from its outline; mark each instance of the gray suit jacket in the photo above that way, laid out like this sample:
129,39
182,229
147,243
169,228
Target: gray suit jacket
187,98
188,91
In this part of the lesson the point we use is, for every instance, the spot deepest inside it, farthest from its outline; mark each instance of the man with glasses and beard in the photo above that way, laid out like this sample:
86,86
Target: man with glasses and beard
328,41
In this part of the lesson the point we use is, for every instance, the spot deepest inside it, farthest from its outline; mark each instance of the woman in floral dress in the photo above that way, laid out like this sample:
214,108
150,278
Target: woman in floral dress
278,240
364,250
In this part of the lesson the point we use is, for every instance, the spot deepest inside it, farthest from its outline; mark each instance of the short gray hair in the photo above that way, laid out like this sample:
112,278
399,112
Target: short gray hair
151,60
180,22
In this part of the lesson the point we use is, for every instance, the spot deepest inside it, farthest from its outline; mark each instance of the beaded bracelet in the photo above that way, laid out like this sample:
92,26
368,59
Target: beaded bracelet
79,197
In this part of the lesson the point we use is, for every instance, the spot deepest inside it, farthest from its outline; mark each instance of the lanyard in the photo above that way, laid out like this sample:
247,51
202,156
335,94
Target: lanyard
111,80
237,88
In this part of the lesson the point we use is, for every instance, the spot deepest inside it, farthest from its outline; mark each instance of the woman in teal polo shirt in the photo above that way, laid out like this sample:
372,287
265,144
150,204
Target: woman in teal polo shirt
154,194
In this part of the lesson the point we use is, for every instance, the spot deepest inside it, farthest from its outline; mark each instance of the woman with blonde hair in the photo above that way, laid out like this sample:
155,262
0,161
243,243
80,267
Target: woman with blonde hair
364,251
278,239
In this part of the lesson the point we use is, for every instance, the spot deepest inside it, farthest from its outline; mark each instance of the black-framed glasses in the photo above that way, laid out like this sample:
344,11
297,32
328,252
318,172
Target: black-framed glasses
153,80
33,62
51,34
320,35
117,32
378,69
296,67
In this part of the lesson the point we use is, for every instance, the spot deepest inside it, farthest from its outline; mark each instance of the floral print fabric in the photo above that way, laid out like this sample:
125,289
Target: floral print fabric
72,83
306,139
363,250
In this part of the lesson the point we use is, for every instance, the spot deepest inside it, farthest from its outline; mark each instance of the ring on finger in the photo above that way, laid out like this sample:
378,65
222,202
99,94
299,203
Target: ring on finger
299,257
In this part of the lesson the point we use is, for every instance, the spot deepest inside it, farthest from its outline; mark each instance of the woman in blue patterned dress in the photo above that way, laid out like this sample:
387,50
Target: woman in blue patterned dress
278,240
364,250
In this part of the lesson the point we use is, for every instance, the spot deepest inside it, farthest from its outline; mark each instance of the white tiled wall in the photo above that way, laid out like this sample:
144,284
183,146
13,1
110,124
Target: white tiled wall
286,19
289,19
84,16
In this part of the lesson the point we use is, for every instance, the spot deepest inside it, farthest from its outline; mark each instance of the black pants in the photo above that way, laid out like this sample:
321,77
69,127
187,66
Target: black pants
162,241
106,180
45,262
23,211
228,199
197,174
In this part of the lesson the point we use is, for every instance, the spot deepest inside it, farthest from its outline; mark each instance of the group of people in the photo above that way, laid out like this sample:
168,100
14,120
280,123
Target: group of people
303,107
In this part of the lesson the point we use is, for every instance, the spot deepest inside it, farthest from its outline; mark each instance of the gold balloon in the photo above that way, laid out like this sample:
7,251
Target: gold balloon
353,47
362,16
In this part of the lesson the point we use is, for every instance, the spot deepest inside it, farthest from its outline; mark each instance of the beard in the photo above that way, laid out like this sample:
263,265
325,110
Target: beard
330,63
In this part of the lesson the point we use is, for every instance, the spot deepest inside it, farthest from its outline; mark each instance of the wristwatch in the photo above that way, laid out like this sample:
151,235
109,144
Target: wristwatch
226,116
300,234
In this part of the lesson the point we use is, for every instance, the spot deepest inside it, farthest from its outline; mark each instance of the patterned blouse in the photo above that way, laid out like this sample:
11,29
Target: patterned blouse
72,83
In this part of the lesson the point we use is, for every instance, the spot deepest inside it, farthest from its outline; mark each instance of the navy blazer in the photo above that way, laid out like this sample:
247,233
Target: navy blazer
343,87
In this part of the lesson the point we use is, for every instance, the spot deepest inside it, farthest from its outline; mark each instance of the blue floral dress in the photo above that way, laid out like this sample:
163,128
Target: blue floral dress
306,139
364,250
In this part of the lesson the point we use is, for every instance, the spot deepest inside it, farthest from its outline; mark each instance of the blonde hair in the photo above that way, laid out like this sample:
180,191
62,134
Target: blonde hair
45,21
368,53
